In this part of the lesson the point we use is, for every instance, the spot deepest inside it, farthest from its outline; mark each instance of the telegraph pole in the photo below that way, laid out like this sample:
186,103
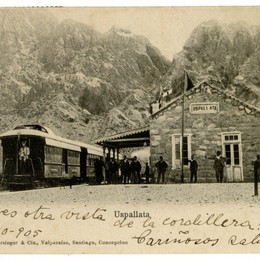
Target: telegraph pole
182,126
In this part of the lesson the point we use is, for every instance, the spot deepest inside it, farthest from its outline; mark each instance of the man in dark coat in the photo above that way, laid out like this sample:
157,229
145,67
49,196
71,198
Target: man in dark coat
161,166
113,167
98,165
219,164
125,170
136,170
193,169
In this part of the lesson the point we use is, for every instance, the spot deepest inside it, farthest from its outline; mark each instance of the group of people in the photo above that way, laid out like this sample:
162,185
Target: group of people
219,166
130,171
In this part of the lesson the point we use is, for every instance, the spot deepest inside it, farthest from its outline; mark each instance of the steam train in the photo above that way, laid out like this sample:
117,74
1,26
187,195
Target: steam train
34,156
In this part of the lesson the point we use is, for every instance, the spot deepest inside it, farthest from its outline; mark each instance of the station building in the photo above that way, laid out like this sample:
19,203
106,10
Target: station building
212,120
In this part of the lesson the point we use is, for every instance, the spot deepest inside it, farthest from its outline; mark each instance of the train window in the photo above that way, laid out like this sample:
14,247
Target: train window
91,160
73,158
53,154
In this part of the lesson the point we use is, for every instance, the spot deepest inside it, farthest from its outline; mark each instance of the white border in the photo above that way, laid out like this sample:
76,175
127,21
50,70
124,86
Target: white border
90,3
70,3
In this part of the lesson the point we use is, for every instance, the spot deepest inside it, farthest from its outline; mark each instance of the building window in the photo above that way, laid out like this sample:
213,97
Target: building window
236,154
232,137
228,154
232,148
181,149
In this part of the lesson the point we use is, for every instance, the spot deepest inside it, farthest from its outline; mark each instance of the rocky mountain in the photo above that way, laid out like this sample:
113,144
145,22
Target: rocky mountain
21,32
226,55
79,82
84,84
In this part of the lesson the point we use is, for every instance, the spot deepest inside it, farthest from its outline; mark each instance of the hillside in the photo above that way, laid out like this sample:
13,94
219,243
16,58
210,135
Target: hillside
84,84
226,55
68,76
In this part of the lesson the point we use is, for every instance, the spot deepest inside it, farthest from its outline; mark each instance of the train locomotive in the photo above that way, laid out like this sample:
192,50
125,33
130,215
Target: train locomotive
34,156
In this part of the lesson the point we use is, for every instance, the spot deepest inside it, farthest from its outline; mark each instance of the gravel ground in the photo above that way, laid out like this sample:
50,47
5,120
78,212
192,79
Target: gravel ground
180,203
176,194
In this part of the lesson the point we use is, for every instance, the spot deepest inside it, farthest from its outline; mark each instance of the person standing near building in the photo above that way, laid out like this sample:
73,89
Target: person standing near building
219,165
193,169
107,170
161,166
98,166
136,170
256,173
147,173
113,167
125,170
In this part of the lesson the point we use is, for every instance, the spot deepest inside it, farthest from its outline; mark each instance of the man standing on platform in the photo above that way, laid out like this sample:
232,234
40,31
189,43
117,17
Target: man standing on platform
113,167
161,166
125,170
219,165
136,170
193,169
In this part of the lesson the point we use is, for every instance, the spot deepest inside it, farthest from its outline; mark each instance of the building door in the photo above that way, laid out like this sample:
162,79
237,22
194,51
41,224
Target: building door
231,143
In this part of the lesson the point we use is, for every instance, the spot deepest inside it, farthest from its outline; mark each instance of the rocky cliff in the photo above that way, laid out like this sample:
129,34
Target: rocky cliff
226,55
68,76
84,84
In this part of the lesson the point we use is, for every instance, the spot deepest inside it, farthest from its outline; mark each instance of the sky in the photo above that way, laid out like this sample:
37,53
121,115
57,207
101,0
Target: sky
167,28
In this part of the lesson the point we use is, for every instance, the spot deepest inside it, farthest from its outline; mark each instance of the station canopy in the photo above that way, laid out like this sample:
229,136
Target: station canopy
135,138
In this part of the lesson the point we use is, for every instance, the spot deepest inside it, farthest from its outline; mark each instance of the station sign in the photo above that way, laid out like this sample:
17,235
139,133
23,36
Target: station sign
204,108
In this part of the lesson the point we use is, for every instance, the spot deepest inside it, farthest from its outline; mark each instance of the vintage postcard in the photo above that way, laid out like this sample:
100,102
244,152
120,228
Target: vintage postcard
129,130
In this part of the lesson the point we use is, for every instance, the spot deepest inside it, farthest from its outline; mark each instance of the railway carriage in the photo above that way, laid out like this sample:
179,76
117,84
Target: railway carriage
50,158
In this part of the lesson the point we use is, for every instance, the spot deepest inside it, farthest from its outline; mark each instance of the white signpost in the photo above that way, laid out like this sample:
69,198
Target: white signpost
204,108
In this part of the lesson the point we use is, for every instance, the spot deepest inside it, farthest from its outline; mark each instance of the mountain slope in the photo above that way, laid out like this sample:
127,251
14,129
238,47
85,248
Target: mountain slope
224,55
74,79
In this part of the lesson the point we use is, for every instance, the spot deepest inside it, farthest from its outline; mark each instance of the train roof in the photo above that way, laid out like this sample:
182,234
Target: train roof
51,138
37,127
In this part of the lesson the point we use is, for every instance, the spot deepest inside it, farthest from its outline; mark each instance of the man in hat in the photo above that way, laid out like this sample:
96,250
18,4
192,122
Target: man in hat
161,166
219,164
193,169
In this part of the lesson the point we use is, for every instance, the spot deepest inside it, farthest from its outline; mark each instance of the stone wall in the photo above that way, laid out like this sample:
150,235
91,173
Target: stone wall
206,132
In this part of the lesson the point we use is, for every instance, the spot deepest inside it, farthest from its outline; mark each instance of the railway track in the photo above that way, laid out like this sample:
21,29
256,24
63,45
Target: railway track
39,185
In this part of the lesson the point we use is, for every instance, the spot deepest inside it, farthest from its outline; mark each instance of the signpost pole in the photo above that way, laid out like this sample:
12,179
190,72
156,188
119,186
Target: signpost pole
256,171
256,187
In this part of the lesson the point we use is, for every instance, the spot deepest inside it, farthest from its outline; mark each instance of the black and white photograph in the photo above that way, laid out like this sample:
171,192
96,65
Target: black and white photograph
129,130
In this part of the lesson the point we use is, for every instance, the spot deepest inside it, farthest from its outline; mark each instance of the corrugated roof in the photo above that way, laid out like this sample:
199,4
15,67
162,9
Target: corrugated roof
123,134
